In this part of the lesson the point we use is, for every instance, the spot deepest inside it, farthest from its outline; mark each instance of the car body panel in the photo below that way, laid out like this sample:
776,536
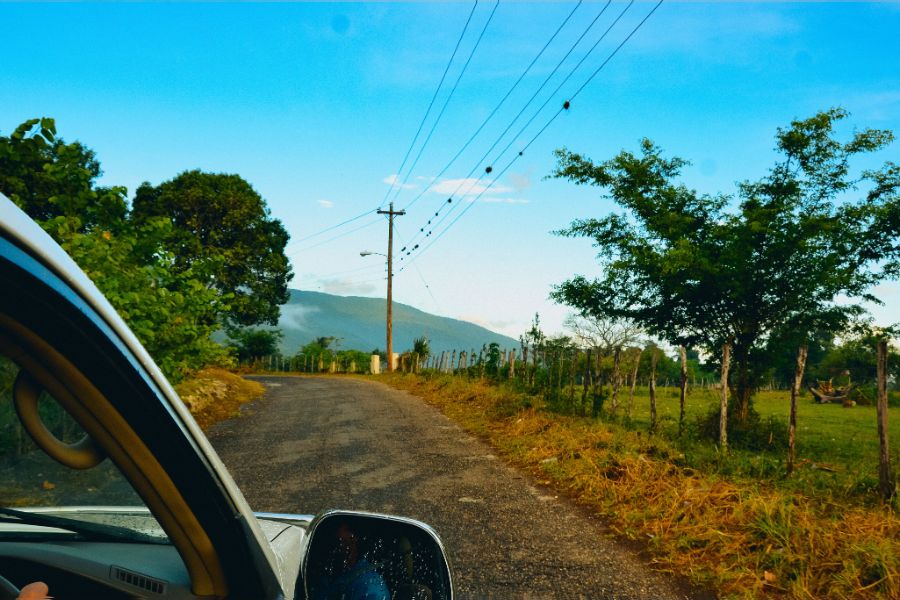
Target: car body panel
62,278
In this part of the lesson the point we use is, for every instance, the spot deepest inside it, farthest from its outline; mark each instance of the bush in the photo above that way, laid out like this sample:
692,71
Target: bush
756,434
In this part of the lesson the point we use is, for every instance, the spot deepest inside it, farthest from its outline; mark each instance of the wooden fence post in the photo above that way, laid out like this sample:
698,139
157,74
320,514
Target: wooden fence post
723,398
616,379
587,380
795,391
525,365
683,352
654,356
885,481
634,374
573,358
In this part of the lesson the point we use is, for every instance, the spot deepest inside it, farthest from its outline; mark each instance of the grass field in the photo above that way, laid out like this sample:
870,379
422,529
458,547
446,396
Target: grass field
837,447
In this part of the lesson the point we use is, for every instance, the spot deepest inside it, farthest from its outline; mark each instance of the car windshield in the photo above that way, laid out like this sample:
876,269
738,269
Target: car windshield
41,498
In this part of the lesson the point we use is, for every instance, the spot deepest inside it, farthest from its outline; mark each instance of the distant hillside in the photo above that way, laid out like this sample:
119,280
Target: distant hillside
360,324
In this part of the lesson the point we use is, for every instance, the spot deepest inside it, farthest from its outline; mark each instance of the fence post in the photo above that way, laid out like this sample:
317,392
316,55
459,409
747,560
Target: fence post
616,379
795,391
723,398
654,356
885,481
684,380
586,380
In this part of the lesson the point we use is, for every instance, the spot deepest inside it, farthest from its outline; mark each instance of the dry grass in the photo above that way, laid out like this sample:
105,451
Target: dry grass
214,395
746,539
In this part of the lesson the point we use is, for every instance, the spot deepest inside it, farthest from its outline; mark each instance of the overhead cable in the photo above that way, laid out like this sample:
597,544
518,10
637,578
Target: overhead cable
516,118
430,104
566,105
446,102
327,229
496,108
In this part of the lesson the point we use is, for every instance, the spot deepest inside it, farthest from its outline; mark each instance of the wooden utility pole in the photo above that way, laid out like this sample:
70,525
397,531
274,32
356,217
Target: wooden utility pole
391,213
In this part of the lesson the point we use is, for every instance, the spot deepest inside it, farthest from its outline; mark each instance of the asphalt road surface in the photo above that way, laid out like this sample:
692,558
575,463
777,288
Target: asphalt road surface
310,444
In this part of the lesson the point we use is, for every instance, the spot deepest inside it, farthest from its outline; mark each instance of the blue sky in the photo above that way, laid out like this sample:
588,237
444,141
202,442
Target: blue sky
316,105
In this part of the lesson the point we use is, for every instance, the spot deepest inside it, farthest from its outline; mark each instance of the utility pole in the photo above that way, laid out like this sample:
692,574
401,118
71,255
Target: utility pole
390,279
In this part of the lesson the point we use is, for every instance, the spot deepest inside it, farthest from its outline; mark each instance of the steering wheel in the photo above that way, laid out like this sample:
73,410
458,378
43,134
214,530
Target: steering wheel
7,590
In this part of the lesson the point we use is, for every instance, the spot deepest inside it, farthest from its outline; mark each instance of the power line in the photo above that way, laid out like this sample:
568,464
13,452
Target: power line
516,118
569,76
565,107
331,239
496,108
327,229
430,104
533,117
446,102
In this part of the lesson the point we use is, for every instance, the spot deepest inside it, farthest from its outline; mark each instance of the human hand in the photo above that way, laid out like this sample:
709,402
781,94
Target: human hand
34,591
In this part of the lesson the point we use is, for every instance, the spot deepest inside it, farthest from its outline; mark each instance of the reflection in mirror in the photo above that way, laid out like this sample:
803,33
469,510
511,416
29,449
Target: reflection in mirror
355,556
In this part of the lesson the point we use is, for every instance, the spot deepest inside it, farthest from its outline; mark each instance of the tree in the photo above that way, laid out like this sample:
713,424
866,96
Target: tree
223,229
603,333
172,312
48,178
701,270
252,343
422,347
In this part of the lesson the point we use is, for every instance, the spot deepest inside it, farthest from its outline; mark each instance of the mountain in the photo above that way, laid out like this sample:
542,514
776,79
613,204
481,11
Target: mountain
359,323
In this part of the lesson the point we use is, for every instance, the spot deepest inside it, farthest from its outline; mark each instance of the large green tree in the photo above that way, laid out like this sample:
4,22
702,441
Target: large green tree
765,264
47,178
223,228
172,312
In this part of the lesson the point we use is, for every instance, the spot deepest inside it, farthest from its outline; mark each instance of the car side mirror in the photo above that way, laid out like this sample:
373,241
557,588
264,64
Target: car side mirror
363,556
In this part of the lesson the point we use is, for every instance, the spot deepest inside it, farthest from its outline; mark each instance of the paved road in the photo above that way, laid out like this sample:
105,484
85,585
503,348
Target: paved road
315,443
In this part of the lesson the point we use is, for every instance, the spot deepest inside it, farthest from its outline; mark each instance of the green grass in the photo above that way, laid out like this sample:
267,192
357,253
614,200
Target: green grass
837,447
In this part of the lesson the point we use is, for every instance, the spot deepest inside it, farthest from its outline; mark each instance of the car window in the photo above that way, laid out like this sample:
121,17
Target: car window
41,497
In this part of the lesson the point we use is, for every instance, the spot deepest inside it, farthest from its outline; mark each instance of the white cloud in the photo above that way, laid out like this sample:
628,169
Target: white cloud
468,187
295,316
346,287
395,181
325,203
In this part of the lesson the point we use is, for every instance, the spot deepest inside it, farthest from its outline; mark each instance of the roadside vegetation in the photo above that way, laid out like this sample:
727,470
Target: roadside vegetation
734,521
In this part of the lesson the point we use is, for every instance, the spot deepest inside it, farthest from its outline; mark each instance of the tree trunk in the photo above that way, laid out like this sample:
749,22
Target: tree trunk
885,481
683,352
795,391
652,387
745,383
723,398
512,364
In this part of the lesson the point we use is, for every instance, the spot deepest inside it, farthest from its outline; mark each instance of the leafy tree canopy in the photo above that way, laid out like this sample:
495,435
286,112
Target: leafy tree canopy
47,178
702,270
250,343
223,229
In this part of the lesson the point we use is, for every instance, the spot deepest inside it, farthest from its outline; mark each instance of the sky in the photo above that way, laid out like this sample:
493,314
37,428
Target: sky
316,105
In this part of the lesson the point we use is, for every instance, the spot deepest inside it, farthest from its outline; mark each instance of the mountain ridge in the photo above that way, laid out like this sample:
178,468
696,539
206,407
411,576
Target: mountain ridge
359,323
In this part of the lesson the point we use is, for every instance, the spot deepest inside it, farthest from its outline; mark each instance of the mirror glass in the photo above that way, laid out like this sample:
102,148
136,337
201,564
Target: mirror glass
368,557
